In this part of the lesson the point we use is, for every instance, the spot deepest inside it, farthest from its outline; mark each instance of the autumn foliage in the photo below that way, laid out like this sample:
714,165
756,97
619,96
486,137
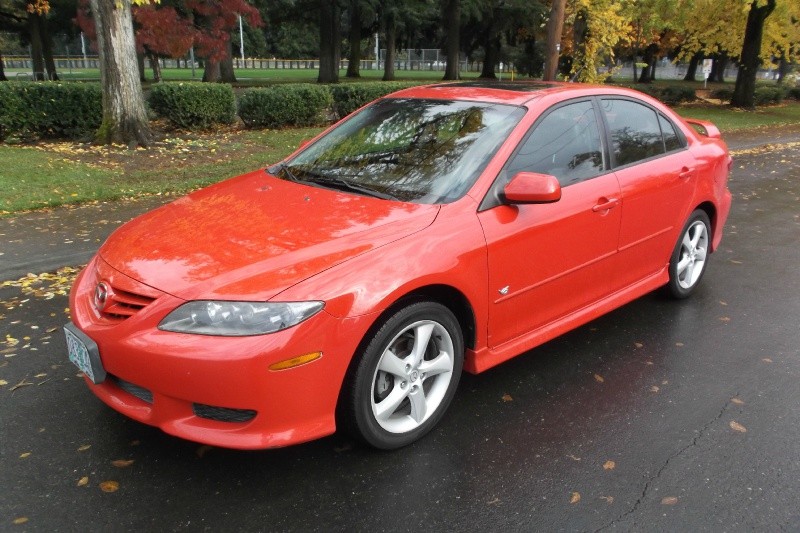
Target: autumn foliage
170,31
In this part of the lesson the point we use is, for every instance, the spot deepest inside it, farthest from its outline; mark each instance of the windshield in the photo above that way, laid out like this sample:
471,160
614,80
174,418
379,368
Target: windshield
422,151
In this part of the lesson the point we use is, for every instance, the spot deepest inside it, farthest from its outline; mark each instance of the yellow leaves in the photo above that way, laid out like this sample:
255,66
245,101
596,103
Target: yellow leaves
598,378
21,520
737,401
122,463
736,426
669,500
38,7
3,383
109,486
84,481
507,398
84,447
46,285
724,319
609,465
24,455
575,497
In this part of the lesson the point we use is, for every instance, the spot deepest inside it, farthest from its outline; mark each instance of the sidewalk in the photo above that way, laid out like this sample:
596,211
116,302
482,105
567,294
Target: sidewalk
43,241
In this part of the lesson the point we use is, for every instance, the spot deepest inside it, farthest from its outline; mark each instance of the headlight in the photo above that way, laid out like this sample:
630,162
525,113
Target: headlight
236,319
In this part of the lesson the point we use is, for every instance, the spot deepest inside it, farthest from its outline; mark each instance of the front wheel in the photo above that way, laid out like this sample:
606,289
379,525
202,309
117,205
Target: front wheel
406,376
688,261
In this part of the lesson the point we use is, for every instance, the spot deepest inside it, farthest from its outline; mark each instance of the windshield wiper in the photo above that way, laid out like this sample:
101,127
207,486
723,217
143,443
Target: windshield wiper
284,168
342,184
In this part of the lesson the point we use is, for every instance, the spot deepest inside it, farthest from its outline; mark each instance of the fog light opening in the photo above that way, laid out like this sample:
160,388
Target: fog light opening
295,361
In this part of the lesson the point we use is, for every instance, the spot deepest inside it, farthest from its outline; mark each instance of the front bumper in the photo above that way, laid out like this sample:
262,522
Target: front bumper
215,390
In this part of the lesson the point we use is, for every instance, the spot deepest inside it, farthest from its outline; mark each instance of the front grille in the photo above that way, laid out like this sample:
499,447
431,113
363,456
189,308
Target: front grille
134,390
123,304
223,414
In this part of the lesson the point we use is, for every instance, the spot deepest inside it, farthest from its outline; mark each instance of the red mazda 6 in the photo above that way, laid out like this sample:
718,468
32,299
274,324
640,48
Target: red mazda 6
438,229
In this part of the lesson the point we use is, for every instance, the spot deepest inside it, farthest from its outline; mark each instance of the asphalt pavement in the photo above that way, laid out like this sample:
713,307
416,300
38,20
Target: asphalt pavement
660,416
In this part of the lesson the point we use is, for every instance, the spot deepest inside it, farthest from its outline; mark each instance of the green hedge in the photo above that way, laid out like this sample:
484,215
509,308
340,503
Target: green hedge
194,104
725,94
793,92
348,97
769,95
296,104
33,110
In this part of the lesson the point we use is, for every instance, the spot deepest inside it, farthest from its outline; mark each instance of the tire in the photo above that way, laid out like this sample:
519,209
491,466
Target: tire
690,256
405,377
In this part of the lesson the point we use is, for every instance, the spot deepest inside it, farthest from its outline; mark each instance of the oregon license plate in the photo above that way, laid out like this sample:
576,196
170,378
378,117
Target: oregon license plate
84,353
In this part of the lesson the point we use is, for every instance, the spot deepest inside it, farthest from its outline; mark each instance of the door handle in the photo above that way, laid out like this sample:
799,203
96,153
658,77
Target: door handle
686,172
604,204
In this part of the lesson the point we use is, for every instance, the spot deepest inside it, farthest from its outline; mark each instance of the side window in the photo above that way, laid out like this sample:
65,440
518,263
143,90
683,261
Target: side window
671,139
635,132
565,144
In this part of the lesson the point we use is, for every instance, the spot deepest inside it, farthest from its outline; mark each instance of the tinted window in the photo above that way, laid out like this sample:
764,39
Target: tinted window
424,151
671,139
565,144
635,133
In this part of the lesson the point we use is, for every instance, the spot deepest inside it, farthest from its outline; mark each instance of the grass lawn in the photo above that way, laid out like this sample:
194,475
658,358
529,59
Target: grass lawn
55,173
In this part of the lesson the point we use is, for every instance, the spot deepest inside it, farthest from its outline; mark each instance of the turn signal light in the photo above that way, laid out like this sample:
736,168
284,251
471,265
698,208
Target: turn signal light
295,361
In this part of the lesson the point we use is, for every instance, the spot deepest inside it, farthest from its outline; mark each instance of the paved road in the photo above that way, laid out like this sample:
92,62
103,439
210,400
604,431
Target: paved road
663,415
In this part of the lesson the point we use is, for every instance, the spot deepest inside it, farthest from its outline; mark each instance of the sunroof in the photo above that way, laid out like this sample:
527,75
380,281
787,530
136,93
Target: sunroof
518,86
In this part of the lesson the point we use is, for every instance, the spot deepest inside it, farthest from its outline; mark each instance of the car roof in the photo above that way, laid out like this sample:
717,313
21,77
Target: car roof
506,92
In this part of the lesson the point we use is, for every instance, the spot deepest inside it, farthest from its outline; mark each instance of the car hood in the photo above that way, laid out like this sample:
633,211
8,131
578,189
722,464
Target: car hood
253,236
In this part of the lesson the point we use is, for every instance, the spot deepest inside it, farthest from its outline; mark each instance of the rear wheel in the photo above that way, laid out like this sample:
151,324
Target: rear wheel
688,262
406,376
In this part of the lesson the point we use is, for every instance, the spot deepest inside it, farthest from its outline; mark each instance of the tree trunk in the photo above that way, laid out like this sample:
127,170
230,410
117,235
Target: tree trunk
34,31
226,73
649,58
491,50
124,115
744,92
354,64
722,64
2,69
783,68
391,49
47,49
155,65
452,23
211,72
691,70
555,25
329,42
140,64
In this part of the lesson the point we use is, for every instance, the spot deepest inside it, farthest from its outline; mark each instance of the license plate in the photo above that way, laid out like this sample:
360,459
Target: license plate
84,353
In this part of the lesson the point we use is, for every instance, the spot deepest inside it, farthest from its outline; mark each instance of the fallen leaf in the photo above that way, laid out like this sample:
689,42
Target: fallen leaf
24,455
598,378
723,303
767,360
736,426
608,499
507,398
122,463
109,486
669,500
3,383
575,498
654,389
638,344
20,520
609,465
84,447
82,482
679,344
737,401
493,502
573,457
724,319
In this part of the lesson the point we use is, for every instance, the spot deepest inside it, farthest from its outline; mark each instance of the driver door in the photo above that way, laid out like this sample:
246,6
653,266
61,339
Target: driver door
549,260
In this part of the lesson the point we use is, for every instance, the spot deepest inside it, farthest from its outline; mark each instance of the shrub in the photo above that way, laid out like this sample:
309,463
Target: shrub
768,95
297,104
677,94
32,110
348,97
793,92
725,94
194,104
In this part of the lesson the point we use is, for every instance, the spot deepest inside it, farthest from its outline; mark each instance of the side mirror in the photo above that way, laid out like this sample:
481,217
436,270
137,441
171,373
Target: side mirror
532,188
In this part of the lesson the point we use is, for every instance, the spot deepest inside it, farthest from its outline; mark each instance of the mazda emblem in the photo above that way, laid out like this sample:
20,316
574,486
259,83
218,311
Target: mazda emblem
101,294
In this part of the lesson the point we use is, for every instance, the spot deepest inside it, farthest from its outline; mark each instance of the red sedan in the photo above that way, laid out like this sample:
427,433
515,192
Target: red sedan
439,229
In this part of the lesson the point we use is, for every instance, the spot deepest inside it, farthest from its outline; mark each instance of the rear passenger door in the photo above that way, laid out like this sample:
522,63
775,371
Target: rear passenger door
656,175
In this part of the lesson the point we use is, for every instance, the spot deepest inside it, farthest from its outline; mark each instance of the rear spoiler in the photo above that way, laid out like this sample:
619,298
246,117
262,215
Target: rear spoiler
704,127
